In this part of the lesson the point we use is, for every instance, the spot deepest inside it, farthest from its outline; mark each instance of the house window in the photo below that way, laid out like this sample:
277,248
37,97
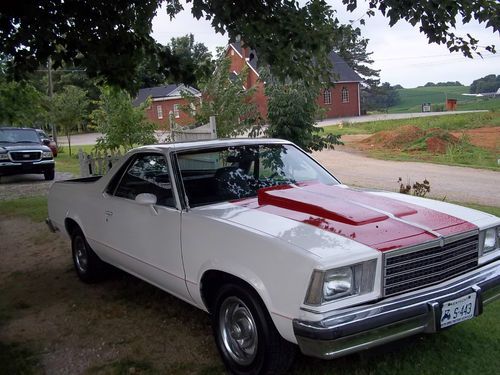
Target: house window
345,95
176,111
159,112
232,52
192,107
327,96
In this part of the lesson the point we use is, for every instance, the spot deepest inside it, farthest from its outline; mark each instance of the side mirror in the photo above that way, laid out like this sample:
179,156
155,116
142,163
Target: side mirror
46,141
146,199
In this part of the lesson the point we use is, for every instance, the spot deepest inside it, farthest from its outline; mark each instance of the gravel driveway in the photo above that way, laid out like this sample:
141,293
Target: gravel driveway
451,183
27,185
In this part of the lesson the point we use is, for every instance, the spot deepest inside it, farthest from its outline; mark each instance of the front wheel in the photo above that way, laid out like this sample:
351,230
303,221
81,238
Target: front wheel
246,337
49,175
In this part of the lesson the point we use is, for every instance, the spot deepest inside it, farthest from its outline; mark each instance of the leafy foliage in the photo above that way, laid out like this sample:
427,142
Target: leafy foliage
122,124
489,83
182,61
440,84
292,113
21,104
437,18
225,96
69,108
352,48
380,97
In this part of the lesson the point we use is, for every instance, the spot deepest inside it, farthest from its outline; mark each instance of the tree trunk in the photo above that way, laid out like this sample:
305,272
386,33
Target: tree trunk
69,142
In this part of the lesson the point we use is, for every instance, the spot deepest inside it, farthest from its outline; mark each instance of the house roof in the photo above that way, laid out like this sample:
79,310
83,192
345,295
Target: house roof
166,91
341,71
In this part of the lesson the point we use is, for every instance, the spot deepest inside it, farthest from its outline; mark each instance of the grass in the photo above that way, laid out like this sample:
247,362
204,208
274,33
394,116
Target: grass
413,98
468,348
462,154
454,122
34,208
15,358
67,163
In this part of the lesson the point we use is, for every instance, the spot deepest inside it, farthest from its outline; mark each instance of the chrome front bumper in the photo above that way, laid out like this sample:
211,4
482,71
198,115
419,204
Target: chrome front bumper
370,325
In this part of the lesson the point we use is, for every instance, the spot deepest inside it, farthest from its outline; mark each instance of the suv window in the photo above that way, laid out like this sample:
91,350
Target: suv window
148,173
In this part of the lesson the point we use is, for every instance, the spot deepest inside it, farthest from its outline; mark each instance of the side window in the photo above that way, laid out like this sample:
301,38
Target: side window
148,173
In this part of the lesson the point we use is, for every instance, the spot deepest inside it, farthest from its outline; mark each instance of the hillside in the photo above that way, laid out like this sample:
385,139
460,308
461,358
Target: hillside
412,99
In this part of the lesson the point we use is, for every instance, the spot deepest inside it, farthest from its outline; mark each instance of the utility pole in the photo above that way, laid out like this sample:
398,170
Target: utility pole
50,91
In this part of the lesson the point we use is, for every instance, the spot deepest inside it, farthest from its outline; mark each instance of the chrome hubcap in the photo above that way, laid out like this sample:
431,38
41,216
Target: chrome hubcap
81,258
238,331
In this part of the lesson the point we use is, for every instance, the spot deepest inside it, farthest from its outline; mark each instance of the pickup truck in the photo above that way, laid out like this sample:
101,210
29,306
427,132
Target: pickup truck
22,152
278,251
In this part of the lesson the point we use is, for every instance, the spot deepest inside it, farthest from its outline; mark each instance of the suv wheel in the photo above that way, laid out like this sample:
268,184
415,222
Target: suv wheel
49,175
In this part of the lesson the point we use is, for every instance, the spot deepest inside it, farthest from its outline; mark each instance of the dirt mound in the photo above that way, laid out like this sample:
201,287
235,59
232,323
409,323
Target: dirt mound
486,137
412,138
397,138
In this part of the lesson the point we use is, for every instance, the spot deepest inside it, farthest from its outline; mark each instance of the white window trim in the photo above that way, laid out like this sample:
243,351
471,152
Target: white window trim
176,111
345,95
327,96
159,112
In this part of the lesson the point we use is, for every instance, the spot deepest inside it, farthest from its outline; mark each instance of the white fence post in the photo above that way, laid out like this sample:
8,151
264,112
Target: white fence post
96,164
213,127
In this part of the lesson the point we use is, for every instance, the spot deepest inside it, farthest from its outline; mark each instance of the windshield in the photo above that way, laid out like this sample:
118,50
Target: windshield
19,136
218,175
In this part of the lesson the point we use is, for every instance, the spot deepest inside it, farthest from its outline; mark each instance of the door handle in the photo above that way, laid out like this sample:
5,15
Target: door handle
108,213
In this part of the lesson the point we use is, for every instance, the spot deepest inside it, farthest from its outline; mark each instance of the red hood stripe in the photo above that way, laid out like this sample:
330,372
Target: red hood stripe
379,222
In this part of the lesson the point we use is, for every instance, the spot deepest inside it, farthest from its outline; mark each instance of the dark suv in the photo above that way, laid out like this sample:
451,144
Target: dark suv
22,153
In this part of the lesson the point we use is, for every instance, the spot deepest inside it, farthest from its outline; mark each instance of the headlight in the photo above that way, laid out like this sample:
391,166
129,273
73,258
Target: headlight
47,155
491,239
326,286
4,157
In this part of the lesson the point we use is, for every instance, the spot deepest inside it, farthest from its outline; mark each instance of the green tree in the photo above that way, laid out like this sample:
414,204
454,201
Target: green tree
292,114
285,34
194,58
69,108
489,83
122,124
226,97
21,104
353,49
380,97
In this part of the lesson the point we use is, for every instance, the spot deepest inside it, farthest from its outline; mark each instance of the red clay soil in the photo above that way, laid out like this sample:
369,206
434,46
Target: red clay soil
395,139
487,137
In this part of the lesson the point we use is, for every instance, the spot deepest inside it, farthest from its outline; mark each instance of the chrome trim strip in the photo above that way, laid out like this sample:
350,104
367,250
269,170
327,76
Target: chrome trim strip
24,151
434,255
421,268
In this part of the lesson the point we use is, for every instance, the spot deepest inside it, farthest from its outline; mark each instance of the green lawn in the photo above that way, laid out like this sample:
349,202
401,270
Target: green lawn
67,163
413,98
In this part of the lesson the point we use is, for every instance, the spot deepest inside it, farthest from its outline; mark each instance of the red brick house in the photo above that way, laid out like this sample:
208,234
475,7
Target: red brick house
340,100
166,103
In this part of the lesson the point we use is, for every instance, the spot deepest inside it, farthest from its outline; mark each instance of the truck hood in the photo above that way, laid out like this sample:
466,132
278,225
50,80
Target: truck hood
23,146
377,220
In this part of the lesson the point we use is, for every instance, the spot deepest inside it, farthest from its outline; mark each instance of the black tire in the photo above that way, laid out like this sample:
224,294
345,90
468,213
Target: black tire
244,352
49,175
88,266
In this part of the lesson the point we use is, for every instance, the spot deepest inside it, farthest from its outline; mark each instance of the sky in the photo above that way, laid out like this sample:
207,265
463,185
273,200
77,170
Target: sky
403,55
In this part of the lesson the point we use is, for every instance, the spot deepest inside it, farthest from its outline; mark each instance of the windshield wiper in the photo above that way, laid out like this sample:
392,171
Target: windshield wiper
26,142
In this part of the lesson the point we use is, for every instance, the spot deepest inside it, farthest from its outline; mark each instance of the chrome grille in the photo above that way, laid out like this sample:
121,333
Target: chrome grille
418,267
25,155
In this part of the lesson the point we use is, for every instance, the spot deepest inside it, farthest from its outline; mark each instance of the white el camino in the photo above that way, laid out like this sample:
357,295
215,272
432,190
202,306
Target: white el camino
278,251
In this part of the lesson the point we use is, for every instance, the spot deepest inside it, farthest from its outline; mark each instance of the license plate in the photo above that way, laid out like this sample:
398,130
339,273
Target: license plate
458,310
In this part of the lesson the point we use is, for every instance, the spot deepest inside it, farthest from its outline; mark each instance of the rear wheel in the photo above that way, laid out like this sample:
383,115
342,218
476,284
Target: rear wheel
49,175
88,266
246,337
